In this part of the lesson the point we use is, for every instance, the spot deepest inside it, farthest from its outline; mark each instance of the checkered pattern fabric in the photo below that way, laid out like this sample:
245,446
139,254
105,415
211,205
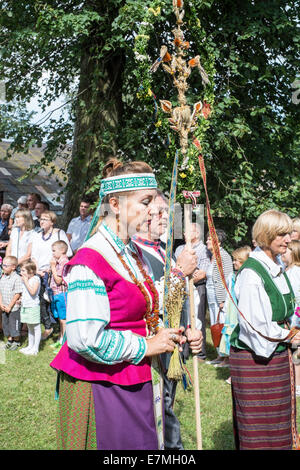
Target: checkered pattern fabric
10,285
76,426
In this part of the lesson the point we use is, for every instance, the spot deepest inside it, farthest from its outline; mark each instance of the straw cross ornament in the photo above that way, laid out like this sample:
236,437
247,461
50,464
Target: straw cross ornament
183,118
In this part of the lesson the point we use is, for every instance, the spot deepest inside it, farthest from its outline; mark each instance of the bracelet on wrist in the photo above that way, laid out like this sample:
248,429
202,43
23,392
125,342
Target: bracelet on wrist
178,272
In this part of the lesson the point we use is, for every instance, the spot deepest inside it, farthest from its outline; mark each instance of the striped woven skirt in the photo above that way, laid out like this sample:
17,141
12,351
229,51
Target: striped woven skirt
104,416
264,403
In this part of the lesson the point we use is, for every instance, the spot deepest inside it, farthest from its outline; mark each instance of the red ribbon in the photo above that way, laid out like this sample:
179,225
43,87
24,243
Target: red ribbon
191,195
217,254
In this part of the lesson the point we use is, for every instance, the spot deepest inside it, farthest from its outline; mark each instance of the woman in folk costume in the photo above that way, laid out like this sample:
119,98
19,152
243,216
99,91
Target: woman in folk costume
107,385
262,373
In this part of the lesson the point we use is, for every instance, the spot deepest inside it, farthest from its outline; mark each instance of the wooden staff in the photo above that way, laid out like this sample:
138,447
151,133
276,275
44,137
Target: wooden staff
187,224
183,120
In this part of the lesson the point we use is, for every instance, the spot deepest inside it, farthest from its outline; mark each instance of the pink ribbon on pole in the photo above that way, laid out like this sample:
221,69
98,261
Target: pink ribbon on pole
191,195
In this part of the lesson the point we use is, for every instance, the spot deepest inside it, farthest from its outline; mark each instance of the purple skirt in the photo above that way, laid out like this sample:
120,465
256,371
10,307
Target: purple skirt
124,417
105,416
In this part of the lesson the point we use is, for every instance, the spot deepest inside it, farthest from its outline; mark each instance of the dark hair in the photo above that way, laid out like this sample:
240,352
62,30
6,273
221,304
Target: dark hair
221,235
45,204
86,200
36,195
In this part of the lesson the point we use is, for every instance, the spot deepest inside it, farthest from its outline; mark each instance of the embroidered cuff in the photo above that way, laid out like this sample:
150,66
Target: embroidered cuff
142,348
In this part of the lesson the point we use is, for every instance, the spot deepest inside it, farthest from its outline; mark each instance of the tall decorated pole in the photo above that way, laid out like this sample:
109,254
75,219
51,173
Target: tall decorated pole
182,120
187,224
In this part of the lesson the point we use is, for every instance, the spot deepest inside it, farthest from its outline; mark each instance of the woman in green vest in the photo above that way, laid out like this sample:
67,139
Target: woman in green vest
262,372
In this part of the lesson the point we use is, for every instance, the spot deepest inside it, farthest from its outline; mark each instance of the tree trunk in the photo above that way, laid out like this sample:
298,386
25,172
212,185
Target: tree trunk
98,114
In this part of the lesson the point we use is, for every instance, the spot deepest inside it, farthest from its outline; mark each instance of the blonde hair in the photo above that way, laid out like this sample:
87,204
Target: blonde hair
13,260
29,265
52,216
61,245
294,246
296,224
241,254
28,220
269,225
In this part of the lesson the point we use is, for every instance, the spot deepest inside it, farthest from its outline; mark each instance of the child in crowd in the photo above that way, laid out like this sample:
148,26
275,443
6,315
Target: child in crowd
291,259
30,307
10,293
58,286
239,256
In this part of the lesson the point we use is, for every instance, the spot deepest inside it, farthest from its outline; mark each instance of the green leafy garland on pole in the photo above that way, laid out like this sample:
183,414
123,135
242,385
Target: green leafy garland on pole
187,116
198,42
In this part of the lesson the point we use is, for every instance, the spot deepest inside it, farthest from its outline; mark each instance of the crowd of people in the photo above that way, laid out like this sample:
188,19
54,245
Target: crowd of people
107,276
33,252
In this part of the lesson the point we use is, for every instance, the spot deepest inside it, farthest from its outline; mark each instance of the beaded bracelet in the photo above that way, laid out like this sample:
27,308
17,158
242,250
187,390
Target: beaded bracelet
177,272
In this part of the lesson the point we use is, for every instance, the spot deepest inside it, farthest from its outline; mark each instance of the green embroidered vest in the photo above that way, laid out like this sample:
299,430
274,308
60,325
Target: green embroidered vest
282,304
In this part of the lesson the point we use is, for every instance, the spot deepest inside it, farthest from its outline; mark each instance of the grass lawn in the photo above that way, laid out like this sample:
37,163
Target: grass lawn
215,405
28,408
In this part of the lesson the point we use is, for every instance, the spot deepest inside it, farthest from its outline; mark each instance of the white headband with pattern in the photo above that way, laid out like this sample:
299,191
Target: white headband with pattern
122,183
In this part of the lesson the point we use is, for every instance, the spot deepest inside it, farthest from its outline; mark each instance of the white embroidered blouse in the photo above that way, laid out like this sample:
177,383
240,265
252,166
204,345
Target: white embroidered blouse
254,303
88,315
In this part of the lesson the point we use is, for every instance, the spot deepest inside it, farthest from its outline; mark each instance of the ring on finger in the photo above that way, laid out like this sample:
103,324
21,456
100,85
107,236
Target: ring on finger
173,337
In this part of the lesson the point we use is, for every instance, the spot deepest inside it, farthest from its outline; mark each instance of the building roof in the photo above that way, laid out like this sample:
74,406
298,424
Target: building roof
49,183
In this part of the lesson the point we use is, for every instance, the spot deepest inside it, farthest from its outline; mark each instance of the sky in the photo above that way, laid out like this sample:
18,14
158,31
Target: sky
34,105
41,115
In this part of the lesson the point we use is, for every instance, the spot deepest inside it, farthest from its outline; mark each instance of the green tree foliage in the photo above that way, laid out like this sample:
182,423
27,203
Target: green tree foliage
253,158
99,54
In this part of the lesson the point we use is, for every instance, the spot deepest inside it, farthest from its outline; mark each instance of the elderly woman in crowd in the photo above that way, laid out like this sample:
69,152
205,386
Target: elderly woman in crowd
262,375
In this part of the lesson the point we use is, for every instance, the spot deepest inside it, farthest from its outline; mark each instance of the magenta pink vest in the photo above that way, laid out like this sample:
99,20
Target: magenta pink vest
127,310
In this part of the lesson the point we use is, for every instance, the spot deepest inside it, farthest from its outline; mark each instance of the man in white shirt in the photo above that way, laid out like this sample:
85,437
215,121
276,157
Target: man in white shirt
79,226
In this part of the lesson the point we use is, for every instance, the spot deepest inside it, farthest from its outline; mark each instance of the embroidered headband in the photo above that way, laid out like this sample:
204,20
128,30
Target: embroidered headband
127,182
118,184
